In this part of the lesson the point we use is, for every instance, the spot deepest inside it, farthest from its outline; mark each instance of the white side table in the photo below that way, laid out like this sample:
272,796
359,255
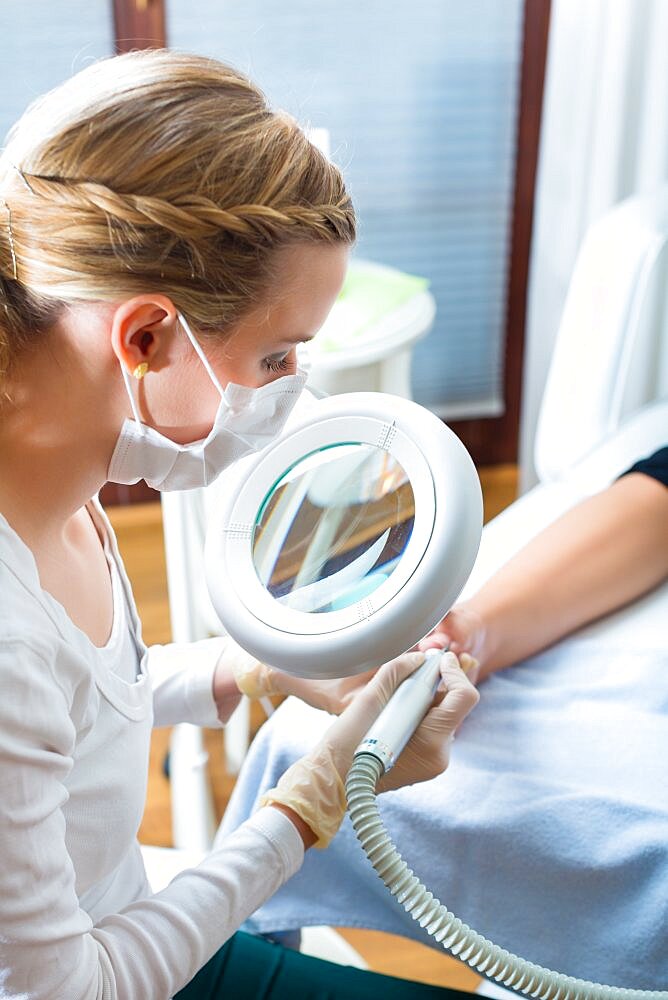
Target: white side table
379,360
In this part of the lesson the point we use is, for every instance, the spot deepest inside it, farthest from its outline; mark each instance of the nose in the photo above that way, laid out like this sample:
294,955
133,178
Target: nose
291,359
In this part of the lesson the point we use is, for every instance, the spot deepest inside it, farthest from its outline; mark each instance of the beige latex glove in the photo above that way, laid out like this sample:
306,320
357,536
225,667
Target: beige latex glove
313,787
250,676
258,680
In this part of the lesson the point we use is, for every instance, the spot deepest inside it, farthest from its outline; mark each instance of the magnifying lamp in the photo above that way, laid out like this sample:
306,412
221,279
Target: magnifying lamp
346,542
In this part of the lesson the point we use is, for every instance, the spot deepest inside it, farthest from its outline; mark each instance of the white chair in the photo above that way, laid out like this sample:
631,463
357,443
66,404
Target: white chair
611,351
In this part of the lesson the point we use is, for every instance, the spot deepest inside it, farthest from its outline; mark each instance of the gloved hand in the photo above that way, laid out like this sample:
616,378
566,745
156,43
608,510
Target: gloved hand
314,786
258,680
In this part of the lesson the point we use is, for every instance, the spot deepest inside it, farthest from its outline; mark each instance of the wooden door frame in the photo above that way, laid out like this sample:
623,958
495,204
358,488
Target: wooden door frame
139,24
495,440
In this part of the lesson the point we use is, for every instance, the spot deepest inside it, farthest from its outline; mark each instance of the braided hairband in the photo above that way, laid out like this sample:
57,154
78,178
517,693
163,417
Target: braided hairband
179,215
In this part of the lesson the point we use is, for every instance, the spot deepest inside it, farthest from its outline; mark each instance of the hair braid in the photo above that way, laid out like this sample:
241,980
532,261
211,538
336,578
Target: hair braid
190,216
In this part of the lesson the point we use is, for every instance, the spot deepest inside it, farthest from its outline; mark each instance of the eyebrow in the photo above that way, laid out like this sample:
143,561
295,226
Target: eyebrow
293,341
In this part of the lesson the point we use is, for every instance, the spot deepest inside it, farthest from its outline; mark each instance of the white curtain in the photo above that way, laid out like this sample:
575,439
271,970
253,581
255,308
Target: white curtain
604,137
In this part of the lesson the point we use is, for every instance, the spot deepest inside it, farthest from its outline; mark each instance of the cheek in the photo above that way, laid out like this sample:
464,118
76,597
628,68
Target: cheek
244,370
184,406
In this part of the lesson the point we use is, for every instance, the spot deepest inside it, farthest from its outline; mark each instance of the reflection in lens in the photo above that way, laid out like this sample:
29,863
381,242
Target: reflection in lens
334,527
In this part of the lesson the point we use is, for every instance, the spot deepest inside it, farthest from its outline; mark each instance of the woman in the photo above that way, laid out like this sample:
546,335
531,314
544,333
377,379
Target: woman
157,220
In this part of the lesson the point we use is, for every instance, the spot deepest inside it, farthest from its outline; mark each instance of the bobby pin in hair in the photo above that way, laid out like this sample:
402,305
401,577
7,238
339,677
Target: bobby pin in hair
22,176
12,249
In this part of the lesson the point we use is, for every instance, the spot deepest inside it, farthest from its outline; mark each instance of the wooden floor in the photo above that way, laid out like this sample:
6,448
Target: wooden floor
139,530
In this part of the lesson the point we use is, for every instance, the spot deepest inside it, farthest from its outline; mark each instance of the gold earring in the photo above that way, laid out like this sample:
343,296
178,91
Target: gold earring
140,370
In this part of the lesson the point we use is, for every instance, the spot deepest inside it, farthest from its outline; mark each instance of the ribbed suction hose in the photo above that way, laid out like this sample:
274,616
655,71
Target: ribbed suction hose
463,942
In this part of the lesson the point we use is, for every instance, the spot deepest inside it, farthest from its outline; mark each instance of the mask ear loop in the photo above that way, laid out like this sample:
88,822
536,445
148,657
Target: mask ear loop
304,357
202,356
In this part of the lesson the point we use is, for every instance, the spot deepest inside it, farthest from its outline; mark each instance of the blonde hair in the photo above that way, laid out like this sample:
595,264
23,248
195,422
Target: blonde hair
155,171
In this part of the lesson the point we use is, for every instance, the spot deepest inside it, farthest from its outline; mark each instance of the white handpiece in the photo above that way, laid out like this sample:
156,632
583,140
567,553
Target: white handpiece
404,712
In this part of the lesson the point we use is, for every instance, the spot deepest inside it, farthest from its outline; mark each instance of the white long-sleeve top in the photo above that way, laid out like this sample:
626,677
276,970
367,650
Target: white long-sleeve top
77,917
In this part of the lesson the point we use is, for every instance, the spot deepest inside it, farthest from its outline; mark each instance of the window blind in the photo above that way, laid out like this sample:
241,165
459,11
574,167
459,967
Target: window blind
420,100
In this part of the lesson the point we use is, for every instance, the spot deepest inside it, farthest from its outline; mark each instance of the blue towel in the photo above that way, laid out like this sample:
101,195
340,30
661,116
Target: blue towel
548,833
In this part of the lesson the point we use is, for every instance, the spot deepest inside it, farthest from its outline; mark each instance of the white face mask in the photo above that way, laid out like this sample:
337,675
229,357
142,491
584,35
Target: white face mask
246,420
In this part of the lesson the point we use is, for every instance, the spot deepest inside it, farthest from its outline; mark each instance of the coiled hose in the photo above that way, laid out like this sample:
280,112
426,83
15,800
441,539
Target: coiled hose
463,942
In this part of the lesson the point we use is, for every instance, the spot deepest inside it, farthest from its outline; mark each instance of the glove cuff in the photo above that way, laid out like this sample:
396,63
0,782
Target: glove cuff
313,788
253,678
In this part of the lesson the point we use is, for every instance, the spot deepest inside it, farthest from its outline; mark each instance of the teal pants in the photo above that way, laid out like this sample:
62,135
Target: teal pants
251,968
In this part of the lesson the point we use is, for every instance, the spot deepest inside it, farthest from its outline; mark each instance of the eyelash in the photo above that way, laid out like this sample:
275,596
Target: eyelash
276,366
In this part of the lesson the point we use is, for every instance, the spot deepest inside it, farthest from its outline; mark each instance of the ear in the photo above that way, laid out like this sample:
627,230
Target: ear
140,327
